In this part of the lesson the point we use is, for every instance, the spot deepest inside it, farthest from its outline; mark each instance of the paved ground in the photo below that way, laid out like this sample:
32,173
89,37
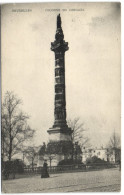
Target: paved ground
94,181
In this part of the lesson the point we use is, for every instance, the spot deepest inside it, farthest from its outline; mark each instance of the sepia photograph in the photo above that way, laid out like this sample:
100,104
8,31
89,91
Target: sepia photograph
61,97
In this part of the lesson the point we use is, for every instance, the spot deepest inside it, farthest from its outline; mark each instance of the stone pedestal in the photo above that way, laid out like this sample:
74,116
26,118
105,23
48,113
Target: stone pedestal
59,134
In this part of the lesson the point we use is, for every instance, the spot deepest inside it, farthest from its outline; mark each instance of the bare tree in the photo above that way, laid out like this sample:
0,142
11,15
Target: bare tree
78,134
114,141
79,139
15,130
44,150
31,152
114,147
51,157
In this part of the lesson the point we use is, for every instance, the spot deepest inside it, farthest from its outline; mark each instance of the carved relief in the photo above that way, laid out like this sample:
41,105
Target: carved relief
59,96
59,80
59,90
59,62
60,113
58,105
59,55
57,72
56,116
60,102
56,62
61,72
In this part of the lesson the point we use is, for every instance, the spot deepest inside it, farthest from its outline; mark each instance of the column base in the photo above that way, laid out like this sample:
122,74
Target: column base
60,134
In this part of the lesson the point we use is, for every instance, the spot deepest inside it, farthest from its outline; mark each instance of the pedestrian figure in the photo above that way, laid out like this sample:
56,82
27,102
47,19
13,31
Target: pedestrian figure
44,172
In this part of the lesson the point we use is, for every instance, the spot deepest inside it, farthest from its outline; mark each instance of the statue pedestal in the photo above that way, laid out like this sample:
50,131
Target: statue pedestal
60,144
59,134
60,150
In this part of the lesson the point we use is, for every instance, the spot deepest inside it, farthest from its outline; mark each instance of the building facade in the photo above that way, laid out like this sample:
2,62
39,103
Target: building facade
111,155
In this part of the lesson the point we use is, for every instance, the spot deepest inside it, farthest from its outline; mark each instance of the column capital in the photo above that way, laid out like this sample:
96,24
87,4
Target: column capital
59,44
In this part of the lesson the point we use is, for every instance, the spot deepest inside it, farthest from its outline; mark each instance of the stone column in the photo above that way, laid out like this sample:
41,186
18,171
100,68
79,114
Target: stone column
59,46
59,130
60,101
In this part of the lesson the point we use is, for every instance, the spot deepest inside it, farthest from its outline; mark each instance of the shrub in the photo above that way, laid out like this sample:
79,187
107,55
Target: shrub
69,162
95,160
16,166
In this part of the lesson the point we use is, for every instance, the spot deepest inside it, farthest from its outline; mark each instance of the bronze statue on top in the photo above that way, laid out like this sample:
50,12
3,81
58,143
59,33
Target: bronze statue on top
58,21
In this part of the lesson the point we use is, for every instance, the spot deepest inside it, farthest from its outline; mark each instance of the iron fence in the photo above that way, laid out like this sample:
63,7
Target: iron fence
70,168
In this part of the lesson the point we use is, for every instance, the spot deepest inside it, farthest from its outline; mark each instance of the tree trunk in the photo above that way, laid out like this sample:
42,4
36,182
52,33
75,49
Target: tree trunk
72,156
10,135
32,164
10,149
2,149
50,162
23,157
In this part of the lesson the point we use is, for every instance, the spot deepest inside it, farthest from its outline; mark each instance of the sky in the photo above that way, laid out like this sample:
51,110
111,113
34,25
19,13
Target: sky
92,64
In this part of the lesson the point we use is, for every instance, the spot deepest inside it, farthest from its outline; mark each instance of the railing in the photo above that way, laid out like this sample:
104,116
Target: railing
32,170
70,168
